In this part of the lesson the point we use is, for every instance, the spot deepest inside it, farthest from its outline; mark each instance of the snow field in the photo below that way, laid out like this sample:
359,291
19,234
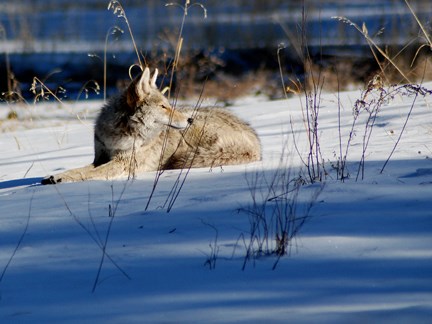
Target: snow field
364,255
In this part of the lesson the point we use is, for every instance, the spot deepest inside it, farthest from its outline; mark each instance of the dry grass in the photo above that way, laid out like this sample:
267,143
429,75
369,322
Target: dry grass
226,87
417,71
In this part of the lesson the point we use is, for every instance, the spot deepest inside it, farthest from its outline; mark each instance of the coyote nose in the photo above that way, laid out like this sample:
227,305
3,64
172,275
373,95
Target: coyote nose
190,120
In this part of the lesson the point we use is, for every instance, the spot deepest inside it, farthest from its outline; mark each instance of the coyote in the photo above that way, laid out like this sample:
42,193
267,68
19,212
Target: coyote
139,131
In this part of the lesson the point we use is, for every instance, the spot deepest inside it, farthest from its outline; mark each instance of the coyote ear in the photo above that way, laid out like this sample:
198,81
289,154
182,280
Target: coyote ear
143,85
154,78
139,89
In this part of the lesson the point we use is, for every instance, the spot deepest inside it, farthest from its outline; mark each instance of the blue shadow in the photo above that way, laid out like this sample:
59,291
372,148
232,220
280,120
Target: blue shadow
20,182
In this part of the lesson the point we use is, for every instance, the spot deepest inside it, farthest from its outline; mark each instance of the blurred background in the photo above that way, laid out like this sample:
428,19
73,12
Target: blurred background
237,46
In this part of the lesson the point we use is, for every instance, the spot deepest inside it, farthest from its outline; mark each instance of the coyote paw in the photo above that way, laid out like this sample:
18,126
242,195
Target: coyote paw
50,180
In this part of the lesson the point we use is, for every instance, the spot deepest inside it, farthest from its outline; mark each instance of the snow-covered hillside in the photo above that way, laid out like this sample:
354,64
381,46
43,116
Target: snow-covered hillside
364,255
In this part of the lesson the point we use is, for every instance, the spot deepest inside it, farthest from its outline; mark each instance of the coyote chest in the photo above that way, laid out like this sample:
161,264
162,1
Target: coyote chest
120,143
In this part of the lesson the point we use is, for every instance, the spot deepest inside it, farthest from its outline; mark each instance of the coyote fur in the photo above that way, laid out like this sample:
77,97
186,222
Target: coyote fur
139,131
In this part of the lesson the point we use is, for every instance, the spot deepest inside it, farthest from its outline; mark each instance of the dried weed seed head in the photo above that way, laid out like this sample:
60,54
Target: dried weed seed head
117,9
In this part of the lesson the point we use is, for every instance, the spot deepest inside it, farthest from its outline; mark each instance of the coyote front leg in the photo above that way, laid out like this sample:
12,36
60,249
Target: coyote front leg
110,170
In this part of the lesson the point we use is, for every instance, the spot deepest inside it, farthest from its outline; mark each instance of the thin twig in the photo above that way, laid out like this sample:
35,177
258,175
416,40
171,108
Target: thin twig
401,133
20,239
426,35
118,10
90,234
112,212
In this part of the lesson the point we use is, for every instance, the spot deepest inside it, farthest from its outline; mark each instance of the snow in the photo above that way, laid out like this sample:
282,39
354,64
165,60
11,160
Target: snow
363,255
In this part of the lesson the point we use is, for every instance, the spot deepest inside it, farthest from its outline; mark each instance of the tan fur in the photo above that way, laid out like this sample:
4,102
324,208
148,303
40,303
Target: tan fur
139,131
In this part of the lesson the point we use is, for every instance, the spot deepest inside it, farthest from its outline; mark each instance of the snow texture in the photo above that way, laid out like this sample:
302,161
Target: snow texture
363,256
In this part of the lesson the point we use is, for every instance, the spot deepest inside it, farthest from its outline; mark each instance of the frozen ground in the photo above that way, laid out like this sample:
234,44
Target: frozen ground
364,255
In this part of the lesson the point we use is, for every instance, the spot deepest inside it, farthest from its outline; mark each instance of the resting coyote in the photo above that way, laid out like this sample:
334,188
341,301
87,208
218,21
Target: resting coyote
131,136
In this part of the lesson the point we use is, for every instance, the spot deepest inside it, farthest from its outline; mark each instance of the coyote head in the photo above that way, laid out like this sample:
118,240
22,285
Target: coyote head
149,108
